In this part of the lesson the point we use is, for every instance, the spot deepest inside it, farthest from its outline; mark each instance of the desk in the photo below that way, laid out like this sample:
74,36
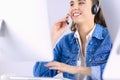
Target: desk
10,77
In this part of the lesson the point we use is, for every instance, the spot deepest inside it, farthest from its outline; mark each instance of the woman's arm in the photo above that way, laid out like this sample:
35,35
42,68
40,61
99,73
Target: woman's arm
58,29
40,70
94,71
62,67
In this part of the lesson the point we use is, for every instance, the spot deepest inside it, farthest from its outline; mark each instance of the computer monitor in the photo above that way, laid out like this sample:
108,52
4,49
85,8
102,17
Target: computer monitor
111,12
25,32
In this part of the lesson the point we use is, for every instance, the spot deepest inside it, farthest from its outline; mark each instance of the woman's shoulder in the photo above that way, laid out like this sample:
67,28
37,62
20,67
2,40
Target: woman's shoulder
65,40
67,37
99,26
103,29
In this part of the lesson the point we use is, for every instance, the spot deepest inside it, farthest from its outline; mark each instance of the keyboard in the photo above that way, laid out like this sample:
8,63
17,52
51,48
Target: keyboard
4,77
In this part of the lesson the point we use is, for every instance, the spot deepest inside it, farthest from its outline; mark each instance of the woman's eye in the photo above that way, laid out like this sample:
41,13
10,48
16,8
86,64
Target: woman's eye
71,4
81,3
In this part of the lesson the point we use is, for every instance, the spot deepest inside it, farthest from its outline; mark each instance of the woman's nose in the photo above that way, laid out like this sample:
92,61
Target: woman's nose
76,7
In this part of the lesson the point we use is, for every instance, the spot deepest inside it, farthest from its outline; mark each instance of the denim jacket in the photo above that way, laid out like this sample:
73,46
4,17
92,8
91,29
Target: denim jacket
67,51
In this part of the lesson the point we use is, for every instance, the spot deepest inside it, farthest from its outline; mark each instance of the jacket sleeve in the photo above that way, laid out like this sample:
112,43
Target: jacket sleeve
104,52
40,70
97,72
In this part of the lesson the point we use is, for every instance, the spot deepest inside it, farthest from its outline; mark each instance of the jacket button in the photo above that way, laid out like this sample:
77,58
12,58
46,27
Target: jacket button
101,59
90,60
92,50
90,43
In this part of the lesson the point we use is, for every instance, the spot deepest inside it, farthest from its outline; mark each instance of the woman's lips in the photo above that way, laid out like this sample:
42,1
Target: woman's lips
76,14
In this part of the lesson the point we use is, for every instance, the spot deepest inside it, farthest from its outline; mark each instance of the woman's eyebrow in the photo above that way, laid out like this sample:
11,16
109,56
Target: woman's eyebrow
71,1
78,0
81,0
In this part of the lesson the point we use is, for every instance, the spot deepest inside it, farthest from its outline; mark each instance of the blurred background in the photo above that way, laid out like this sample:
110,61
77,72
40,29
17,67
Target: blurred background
57,9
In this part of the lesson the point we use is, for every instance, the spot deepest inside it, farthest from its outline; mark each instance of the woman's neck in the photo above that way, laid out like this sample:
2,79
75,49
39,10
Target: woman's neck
84,30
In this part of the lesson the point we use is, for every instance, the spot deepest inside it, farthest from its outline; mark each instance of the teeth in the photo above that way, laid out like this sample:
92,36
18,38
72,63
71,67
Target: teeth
76,14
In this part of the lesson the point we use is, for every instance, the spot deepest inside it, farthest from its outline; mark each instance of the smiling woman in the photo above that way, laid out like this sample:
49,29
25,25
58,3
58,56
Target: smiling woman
79,55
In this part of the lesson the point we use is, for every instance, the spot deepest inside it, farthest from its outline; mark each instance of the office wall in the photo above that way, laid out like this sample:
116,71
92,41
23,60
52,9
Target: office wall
111,14
57,9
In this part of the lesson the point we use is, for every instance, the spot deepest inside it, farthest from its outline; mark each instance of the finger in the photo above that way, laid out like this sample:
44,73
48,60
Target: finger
51,64
64,19
67,16
60,71
63,24
54,68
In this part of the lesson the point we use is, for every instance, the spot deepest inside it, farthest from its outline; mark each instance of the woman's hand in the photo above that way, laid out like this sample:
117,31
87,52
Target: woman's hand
58,29
61,67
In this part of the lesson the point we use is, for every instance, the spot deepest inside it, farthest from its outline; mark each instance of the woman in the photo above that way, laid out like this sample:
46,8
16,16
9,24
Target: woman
82,54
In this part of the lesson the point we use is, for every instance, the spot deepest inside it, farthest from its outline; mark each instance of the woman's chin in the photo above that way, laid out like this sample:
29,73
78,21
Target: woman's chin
78,22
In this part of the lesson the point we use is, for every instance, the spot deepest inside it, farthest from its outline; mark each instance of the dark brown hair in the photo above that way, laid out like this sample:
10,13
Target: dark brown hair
99,18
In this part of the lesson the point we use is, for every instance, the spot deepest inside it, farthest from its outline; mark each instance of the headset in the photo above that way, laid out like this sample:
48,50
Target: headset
95,8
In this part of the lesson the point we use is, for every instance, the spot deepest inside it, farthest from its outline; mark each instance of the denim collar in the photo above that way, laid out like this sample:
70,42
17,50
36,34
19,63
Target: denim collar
98,32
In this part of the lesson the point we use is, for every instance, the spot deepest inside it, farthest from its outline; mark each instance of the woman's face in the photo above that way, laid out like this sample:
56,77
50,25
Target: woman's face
80,11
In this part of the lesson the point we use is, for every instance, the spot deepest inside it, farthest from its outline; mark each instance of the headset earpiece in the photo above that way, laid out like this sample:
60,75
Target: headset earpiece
95,9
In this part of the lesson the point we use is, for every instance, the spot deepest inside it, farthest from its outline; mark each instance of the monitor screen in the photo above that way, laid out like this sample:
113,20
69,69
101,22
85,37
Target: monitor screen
25,32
